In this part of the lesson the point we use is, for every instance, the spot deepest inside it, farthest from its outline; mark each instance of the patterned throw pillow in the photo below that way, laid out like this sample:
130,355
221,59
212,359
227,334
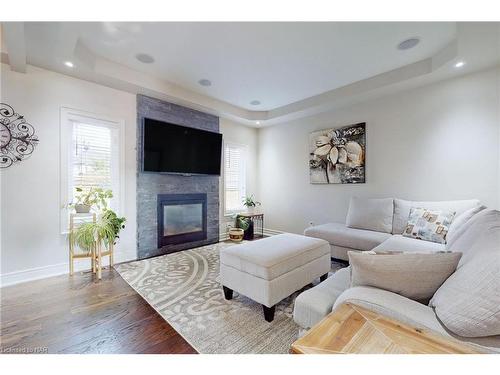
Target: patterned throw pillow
428,225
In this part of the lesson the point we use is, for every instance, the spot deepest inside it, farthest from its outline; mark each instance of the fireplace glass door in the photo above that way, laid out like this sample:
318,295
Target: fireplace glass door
182,218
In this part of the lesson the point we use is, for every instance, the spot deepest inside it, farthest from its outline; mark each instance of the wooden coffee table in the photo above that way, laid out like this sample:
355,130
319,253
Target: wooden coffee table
353,329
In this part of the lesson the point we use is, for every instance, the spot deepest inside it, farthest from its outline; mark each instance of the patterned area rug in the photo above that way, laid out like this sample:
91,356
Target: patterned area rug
184,288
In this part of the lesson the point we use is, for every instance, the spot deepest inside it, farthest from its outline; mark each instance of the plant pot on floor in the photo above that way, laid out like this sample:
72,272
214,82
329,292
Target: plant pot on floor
249,231
82,209
236,234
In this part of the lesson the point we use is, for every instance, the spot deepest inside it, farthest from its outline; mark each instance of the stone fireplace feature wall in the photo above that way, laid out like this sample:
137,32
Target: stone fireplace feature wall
149,185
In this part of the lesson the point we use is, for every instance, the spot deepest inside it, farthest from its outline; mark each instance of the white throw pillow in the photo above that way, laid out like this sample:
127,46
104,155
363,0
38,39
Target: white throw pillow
413,275
428,225
370,214
458,225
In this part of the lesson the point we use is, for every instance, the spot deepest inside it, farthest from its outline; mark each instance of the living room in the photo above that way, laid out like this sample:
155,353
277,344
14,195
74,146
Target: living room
295,187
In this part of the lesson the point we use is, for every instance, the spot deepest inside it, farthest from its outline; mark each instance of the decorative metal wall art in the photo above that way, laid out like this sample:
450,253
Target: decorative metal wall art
17,137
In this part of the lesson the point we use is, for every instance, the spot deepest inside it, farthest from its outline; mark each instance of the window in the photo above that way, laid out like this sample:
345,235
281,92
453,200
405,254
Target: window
93,157
234,177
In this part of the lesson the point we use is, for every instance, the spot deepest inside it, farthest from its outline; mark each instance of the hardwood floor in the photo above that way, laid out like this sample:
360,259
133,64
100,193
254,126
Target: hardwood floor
80,315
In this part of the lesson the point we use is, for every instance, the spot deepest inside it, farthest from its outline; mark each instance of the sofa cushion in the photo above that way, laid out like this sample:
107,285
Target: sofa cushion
391,305
402,210
412,275
274,256
459,224
340,235
370,214
428,225
482,222
408,245
468,303
314,304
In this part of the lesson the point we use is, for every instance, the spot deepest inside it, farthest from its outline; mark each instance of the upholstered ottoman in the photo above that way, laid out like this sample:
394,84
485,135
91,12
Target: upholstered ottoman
271,269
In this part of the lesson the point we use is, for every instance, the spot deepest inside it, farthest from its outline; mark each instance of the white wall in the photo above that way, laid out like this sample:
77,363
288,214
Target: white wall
32,245
436,142
498,124
244,135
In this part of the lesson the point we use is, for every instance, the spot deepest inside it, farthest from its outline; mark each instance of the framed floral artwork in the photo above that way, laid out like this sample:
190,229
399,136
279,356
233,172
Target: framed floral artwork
337,156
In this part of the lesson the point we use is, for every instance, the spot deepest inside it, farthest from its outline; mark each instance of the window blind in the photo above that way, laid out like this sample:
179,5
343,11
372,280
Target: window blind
94,159
234,177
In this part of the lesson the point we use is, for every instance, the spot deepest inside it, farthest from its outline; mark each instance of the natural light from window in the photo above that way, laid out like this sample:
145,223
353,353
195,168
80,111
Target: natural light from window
234,177
94,159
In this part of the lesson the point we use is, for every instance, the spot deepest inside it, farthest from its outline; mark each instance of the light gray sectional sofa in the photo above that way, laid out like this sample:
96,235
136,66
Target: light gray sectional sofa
466,306
363,230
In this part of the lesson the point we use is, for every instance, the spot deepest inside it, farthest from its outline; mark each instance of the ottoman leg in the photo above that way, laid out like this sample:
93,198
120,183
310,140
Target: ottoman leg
228,293
269,313
323,277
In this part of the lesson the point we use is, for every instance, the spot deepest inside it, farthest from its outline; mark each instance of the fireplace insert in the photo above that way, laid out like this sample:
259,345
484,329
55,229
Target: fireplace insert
182,218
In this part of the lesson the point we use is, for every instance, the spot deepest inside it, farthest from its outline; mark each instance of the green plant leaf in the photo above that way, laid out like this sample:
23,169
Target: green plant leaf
104,230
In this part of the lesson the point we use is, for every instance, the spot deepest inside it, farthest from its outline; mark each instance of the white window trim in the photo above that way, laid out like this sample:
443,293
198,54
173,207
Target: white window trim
228,213
67,117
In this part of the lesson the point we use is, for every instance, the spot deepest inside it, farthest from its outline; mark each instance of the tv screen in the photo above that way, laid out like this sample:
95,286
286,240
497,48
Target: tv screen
171,148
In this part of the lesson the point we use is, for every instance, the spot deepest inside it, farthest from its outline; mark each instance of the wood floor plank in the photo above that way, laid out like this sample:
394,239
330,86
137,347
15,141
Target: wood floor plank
80,314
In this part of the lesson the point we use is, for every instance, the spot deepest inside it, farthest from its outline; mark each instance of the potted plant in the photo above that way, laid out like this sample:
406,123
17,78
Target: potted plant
105,231
93,197
246,224
250,203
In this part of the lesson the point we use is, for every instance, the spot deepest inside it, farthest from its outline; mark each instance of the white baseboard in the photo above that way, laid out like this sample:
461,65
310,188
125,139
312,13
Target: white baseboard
38,273
272,232
223,236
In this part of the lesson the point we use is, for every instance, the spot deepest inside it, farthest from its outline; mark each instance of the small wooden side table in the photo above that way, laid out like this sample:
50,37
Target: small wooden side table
256,228
351,329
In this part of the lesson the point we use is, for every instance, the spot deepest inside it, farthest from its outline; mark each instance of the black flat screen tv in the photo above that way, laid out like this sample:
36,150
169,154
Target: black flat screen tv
170,148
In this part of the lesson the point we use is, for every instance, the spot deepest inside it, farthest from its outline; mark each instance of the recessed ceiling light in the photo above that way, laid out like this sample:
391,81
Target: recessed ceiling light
69,64
257,122
254,102
205,82
145,58
459,64
408,43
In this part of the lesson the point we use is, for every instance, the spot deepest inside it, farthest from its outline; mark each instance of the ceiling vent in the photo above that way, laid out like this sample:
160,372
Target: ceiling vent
145,58
408,43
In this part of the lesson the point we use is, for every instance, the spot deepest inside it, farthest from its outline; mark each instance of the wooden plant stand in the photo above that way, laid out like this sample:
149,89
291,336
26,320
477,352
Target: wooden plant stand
99,253
95,254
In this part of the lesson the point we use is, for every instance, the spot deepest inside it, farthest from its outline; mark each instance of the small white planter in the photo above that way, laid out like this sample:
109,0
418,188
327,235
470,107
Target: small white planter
82,209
